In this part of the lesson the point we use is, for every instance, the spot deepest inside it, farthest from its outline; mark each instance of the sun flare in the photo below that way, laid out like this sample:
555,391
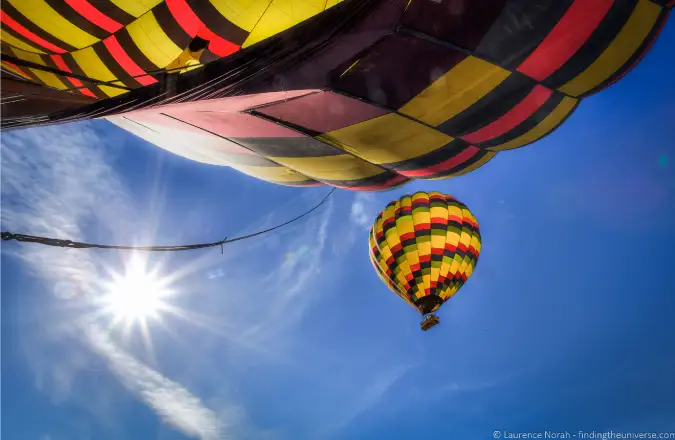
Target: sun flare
137,295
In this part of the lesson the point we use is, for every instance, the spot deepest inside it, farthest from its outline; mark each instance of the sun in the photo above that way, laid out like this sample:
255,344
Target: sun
136,296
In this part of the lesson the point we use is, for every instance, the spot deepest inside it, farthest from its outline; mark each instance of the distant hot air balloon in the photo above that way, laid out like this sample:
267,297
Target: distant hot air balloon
424,247
358,94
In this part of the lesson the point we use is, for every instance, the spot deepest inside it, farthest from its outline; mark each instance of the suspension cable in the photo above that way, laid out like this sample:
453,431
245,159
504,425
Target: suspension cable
6,236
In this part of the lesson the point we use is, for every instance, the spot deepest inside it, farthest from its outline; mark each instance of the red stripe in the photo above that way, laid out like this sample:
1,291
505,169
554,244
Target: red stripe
18,70
192,25
124,60
88,11
61,64
672,3
16,27
571,32
514,117
448,164
407,236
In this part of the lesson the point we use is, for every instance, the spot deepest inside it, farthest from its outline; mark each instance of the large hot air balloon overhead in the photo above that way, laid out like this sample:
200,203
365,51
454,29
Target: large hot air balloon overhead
359,94
424,247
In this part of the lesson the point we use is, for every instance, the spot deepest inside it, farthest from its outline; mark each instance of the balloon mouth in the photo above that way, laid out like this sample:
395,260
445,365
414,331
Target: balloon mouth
428,304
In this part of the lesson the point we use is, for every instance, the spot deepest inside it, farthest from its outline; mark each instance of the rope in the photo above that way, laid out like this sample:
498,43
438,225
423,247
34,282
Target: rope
6,236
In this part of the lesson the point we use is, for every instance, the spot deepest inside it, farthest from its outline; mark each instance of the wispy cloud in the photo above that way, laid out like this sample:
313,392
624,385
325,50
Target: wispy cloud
173,403
363,212
56,180
372,394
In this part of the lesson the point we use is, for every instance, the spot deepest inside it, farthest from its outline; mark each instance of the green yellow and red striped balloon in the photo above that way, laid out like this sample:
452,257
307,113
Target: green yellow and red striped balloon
424,247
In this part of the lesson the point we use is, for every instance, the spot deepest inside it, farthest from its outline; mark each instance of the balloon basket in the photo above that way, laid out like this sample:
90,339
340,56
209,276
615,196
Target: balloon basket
429,321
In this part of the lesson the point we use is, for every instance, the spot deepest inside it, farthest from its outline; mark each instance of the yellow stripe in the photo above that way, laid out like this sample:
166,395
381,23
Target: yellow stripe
113,91
455,91
341,167
19,44
387,139
541,129
281,15
48,78
619,52
136,7
152,41
46,18
94,68
243,13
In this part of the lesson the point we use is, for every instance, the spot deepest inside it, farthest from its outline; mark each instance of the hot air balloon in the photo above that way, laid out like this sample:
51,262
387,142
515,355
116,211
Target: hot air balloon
358,94
424,247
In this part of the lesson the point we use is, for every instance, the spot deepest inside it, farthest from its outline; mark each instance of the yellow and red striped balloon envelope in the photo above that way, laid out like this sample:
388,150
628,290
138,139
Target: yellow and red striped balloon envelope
424,247
364,95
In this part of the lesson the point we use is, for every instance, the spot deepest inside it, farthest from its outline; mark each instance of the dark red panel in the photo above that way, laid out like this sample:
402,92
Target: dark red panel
235,125
460,22
322,112
398,68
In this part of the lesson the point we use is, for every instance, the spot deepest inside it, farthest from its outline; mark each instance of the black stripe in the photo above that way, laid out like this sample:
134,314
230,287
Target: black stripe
431,158
133,51
477,157
490,107
112,65
75,18
599,40
368,181
113,11
8,9
528,124
520,28
408,242
218,24
420,204
309,182
170,26
288,147
645,46
75,68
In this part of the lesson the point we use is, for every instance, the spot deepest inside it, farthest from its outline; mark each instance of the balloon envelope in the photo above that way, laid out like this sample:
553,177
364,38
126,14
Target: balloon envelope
424,247
358,94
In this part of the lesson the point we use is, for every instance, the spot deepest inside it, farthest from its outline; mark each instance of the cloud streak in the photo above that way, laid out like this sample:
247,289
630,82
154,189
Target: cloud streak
173,403
55,180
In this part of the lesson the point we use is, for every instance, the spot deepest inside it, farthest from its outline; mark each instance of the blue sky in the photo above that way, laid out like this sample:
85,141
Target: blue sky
566,324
